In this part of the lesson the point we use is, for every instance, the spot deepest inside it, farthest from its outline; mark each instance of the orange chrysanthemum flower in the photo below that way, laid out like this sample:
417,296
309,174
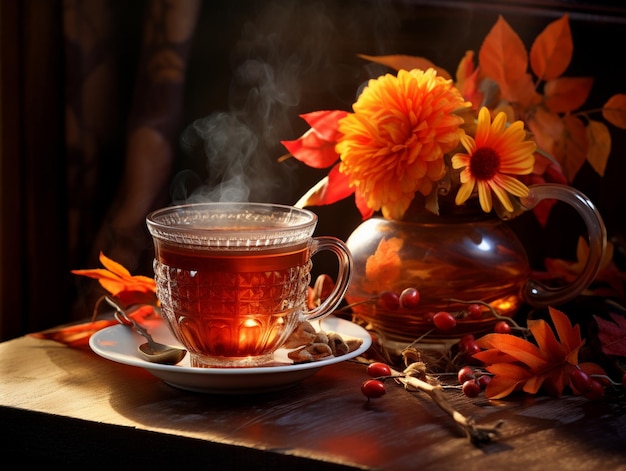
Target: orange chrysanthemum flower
393,145
493,155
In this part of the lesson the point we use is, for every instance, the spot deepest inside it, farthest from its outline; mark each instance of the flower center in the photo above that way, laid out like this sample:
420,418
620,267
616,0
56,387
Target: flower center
485,163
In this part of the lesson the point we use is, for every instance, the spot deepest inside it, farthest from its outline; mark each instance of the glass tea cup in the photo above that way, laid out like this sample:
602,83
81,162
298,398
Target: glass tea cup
233,278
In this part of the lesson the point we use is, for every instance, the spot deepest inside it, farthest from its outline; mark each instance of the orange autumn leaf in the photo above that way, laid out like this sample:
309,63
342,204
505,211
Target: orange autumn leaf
118,281
552,50
502,56
568,270
599,150
547,127
571,150
518,364
320,290
404,62
566,94
614,110
467,80
383,268
522,92
78,335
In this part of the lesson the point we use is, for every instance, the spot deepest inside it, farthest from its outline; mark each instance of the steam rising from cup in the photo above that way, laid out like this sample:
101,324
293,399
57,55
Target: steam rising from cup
287,44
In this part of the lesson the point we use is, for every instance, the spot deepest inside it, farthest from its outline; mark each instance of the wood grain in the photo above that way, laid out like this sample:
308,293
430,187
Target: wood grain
60,405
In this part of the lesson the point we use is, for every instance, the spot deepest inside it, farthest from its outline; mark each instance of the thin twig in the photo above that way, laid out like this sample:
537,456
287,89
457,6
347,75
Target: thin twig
414,378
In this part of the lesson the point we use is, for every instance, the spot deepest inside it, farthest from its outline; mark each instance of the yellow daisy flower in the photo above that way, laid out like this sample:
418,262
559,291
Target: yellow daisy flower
496,153
393,144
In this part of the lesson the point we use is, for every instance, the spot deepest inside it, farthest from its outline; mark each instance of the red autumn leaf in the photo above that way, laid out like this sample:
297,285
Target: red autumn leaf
325,123
330,189
361,204
312,149
614,110
519,364
566,94
552,50
316,147
612,335
502,56
404,62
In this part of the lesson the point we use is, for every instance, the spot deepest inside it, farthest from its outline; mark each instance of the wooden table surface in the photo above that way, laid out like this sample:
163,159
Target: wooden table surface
70,407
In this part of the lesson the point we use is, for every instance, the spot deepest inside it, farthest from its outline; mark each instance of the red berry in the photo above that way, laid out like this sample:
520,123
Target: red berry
409,298
474,311
378,369
596,391
580,380
483,381
465,340
471,349
389,300
444,321
466,373
502,327
471,388
373,388
428,316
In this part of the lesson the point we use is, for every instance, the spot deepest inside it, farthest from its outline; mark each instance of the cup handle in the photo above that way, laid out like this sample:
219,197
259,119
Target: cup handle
340,249
536,293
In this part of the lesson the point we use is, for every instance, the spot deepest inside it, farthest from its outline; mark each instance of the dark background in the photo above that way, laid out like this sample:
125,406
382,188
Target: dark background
262,63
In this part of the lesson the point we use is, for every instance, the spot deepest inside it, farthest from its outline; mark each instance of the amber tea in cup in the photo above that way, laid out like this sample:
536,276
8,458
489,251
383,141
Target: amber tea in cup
232,278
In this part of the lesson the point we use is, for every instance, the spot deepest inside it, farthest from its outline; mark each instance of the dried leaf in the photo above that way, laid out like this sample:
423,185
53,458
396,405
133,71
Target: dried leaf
522,92
571,149
612,335
404,62
547,127
566,94
552,50
599,145
614,110
503,56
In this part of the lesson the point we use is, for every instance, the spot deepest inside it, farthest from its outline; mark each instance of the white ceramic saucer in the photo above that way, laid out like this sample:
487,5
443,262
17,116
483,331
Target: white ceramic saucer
119,343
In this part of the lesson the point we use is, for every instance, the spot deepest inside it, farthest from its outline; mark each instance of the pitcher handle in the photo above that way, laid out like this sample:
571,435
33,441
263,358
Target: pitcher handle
536,293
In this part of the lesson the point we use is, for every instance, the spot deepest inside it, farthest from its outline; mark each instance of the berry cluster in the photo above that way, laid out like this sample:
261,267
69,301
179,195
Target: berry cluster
409,298
472,381
589,387
375,387
471,377
442,321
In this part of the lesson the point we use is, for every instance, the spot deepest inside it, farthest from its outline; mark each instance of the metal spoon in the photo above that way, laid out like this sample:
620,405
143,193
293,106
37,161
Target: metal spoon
151,351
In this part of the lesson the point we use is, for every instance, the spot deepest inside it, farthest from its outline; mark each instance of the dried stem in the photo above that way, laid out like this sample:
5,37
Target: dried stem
414,378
